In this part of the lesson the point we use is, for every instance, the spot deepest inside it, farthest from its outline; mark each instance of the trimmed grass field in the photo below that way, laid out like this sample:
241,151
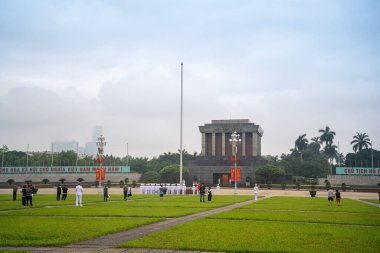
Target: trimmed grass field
55,223
278,224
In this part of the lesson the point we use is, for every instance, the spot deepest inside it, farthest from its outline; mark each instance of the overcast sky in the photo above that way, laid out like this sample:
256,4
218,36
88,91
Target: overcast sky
293,67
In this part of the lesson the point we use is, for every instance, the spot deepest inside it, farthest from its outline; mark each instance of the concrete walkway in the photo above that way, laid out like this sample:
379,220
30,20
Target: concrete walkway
106,243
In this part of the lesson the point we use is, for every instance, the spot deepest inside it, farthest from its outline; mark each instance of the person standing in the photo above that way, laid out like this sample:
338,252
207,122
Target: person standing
202,192
330,196
105,193
64,192
23,199
15,188
209,194
337,197
59,191
78,193
129,191
125,191
256,191
29,196
161,191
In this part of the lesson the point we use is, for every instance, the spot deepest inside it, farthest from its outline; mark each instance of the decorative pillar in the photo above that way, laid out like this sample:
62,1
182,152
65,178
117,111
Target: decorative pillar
243,144
223,144
213,144
203,151
254,144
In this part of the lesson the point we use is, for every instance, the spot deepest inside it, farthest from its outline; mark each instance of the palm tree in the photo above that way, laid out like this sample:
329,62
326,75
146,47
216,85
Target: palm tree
361,140
315,145
301,144
327,136
330,152
340,158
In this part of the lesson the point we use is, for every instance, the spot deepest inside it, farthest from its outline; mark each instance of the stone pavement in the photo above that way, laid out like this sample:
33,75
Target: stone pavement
106,243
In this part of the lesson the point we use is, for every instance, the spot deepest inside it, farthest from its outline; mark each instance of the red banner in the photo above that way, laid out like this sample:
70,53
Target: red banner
238,174
103,173
232,171
97,174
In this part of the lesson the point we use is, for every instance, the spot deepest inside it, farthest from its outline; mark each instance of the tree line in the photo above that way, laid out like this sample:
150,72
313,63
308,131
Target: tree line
315,158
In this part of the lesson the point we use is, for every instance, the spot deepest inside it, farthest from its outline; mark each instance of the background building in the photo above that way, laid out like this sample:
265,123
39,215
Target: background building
59,146
213,165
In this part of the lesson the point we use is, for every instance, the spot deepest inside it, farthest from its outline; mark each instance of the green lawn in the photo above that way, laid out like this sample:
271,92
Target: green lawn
278,224
48,231
54,223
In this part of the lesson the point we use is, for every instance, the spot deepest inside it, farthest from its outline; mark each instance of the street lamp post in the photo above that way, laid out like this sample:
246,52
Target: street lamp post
127,155
2,160
235,140
100,158
372,154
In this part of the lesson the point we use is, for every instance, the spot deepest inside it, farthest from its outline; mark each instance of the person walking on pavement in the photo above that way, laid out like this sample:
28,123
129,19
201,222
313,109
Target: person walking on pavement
78,193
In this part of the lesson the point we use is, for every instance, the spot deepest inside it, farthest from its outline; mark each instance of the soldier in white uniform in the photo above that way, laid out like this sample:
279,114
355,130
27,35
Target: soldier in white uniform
256,191
78,194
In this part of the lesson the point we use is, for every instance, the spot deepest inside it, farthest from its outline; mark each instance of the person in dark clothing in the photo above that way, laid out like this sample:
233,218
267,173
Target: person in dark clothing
59,191
125,191
202,192
337,197
15,188
29,196
105,193
209,194
23,199
64,192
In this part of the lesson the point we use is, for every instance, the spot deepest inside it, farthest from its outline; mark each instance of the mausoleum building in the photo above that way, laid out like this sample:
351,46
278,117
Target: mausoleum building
213,165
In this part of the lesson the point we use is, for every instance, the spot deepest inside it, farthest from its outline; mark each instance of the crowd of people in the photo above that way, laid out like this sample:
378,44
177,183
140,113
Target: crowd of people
174,189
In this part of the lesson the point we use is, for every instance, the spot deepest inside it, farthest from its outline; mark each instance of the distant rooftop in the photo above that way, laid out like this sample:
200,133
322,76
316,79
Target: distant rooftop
230,121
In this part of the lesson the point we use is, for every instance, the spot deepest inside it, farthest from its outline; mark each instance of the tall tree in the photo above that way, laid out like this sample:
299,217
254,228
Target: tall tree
301,144
327,136
361,140
315,145
331,152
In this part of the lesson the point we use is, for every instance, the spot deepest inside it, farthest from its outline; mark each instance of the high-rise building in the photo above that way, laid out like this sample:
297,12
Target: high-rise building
90,148
59,146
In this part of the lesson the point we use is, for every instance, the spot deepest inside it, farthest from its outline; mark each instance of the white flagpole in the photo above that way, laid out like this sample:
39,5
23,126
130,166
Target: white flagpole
180,155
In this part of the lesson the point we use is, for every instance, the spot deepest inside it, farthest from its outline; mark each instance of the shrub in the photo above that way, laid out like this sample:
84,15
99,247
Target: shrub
298,185
283,186
134,183
344,187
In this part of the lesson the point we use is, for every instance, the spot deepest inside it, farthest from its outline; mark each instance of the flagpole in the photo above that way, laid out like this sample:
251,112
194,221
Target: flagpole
181,126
